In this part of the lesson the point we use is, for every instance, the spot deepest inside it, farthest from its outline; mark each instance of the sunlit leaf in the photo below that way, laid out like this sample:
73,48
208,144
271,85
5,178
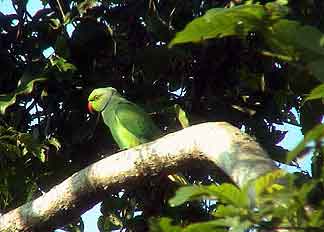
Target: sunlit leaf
220,225
177,178
163,225
53,141
220,22
61,64
282,2
182,116
214,225
316,93
85,5
227,211
226,193
187,193
55,23
230,194
269,183
41,155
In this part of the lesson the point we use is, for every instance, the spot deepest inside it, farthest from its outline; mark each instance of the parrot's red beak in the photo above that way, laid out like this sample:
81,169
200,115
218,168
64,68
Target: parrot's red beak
90,108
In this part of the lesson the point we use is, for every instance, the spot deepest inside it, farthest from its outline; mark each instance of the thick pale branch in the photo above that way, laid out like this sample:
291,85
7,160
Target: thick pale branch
239,156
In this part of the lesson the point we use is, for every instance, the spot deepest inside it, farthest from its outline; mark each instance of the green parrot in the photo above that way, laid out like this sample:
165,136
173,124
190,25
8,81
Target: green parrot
129,124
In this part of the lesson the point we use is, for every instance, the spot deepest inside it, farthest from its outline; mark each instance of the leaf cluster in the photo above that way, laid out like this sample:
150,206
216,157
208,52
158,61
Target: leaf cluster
276,201
251,63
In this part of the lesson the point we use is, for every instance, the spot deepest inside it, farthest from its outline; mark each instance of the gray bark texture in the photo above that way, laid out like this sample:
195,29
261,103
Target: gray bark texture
219,143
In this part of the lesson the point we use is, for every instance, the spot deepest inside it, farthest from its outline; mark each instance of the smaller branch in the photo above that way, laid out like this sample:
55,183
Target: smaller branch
291,123
31,105
278,56
37,114
61,9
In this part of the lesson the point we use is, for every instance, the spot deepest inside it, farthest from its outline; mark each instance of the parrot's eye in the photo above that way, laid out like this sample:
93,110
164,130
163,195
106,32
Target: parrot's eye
96,97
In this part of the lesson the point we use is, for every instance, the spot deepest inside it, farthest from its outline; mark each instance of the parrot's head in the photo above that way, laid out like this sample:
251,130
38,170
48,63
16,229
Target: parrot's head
99,99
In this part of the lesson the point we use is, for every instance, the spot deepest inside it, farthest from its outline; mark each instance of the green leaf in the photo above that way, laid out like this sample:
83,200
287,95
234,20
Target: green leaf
30,145
178,178
221,22
226,193
227,211
299,42
182,116
304,191
316,93
241,226
41,155
220,225
230,194
316,219
163,225
55,23
188,193
282,2
238,225
53,141
313,135
215,225
289,36
85,5
268,183
25,86
316,67
61,64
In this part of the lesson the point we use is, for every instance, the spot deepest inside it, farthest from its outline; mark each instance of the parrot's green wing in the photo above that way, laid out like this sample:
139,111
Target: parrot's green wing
137,121
133,125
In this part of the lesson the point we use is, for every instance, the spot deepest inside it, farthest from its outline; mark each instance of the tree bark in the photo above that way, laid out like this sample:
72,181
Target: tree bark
234,152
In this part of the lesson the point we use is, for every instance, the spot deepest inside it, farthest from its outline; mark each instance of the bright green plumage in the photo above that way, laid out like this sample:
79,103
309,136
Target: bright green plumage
128,123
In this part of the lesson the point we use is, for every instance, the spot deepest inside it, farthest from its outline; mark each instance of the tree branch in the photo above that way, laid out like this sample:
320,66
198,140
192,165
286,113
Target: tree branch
239,156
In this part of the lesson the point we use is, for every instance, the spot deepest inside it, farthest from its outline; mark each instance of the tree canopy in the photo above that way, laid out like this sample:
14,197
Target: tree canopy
249,63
